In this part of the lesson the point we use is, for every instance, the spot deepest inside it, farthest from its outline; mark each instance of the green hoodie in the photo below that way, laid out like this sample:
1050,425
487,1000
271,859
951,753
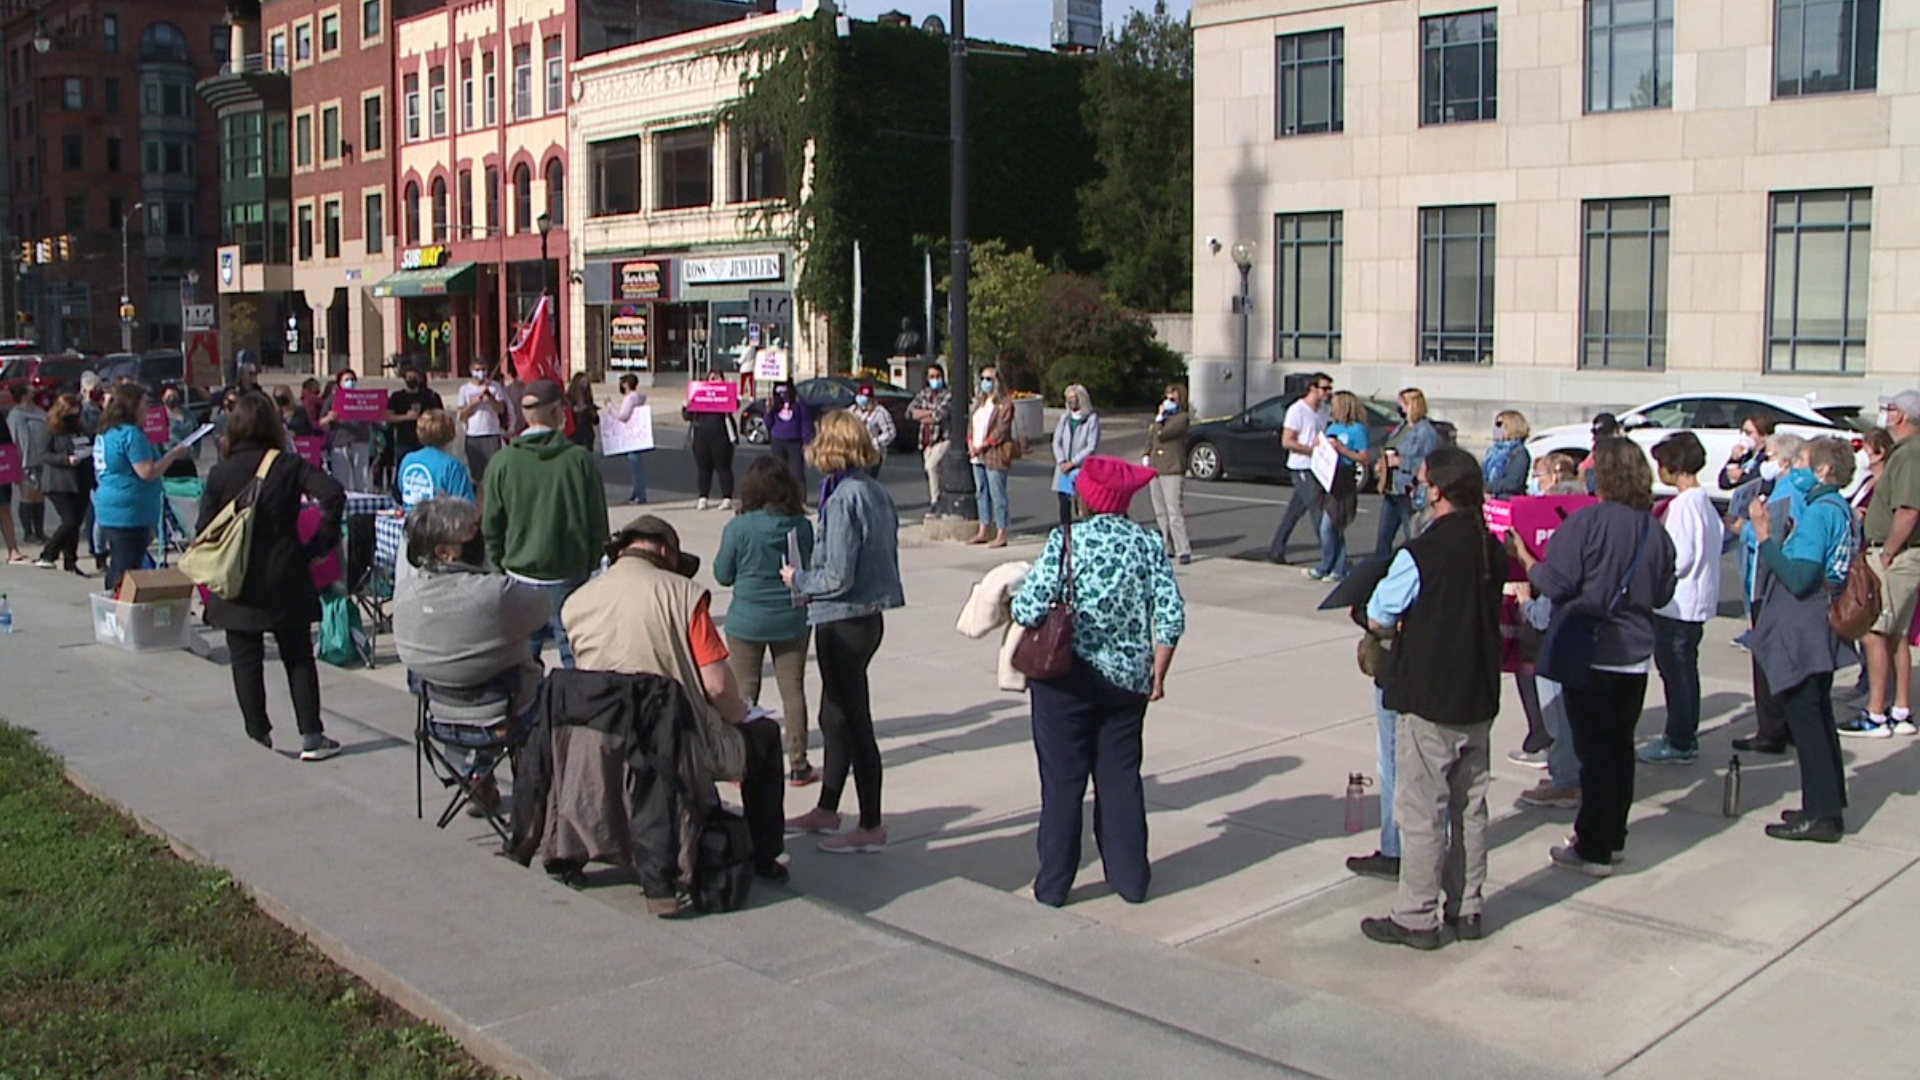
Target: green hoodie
545,510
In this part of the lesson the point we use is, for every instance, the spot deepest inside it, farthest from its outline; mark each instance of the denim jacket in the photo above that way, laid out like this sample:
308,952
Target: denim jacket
856,561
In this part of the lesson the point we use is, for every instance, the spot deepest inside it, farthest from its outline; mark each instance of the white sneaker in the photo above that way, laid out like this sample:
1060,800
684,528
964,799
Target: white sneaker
701,505
1905,727
726,504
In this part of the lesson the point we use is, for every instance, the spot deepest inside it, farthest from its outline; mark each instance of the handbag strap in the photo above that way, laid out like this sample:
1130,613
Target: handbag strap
1626,580
1066,560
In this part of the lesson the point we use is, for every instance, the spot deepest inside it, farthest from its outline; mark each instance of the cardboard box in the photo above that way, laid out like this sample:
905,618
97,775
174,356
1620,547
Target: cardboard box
147,586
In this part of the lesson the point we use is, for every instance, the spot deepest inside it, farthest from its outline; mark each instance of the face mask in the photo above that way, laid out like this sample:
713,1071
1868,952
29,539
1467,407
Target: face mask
1769,470
415,384
1499,432
1533,485
171,402
1402,410
1171,406
1885,419
480,376
347,384
986,386
937,384
863,400
1742,444
1803,480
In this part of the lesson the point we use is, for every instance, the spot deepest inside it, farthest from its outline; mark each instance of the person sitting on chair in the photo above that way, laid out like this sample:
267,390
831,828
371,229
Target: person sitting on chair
458,627
645,616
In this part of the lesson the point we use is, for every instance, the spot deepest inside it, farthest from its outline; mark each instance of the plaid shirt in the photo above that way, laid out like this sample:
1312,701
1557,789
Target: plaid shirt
940,404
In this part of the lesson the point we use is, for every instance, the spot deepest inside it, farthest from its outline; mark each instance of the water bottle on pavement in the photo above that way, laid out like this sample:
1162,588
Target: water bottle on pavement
6,615
1356,796
1730,796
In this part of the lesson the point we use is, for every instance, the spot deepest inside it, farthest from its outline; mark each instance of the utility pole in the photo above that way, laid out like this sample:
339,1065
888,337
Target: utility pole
956,474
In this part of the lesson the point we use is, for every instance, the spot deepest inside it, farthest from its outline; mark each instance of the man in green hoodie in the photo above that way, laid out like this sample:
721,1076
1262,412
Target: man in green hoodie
545,510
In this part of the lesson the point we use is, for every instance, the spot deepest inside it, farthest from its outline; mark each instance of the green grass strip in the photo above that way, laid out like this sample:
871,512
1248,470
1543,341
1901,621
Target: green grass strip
119,961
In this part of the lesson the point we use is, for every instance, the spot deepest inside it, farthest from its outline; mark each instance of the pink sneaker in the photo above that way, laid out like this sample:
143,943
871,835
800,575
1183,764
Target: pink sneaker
815,820
855,842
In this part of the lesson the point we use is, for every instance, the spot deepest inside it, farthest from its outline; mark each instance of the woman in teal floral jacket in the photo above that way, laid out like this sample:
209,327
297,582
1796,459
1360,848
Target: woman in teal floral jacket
1127,618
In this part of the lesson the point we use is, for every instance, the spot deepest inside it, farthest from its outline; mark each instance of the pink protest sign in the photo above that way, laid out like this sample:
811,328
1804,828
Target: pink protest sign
716,396
155,424
10,471
309,447
1535,517
360,406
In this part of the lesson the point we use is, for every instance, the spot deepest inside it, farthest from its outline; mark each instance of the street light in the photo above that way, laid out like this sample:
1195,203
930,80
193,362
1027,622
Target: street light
1243,258
956,476
126,297
41,42
544,223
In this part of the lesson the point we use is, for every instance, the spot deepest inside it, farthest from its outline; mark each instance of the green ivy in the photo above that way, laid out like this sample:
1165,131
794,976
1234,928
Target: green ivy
873,106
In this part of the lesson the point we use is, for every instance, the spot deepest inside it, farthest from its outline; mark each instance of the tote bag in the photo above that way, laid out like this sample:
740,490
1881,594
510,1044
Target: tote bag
218,557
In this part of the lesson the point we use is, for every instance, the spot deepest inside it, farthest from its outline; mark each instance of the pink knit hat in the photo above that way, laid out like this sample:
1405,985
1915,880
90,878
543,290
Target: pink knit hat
1108,484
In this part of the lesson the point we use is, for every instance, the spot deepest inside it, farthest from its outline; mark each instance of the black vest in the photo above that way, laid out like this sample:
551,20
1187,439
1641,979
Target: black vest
1445,661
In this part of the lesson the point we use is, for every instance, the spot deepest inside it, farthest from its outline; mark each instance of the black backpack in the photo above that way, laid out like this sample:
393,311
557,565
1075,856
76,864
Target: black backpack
723,867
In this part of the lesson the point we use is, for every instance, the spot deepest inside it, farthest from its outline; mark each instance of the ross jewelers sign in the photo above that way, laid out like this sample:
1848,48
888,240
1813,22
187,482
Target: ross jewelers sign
725,269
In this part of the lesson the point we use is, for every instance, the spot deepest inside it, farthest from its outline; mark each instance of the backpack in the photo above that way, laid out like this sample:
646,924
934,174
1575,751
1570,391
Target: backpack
218,557
723,864
1855,606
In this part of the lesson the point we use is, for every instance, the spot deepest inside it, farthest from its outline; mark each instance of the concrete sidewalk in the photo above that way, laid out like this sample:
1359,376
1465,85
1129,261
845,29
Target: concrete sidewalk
931,961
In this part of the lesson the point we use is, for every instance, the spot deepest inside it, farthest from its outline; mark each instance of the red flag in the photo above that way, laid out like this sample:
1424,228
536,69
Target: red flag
536,355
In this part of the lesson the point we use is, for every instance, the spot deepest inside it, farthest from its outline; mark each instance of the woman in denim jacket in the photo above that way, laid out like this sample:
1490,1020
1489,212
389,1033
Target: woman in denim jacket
855,577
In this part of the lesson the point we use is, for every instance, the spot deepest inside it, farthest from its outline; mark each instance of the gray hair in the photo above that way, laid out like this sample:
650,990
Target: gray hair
435,523
1086,399
1836,455
1785,448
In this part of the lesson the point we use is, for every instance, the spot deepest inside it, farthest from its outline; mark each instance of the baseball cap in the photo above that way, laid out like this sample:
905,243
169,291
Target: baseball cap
1907,401
649,527
542,392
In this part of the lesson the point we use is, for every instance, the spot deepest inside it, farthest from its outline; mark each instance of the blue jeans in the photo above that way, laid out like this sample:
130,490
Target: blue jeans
637,466
1676,653
557,594
991,485
126,550
1563,761
1305,503
1395,511
1389,723
1333,547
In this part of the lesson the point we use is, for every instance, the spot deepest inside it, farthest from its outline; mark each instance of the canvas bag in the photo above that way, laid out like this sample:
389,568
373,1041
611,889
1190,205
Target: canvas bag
1046,651
1566,656
218,557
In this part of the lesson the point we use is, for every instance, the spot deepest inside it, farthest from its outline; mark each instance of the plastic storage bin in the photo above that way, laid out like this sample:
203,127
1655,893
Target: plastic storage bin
155,626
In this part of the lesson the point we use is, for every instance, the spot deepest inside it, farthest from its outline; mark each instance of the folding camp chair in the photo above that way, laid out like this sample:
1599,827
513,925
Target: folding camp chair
453,723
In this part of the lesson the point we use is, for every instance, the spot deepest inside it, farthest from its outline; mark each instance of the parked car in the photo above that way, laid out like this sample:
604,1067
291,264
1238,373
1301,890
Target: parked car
824,395
1248,445
16,375
62,373
1716,419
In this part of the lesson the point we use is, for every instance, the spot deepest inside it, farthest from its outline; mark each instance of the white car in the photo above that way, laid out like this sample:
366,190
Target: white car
1716,419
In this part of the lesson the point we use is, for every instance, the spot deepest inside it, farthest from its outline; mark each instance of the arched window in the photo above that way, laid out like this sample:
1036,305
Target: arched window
439,210
557,193
522,198
163,41
413,212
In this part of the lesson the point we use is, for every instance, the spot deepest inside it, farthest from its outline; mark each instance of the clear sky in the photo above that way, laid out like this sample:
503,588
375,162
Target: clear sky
1019,22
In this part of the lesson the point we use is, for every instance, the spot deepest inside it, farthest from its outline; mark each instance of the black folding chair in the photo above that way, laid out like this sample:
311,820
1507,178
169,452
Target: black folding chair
453,723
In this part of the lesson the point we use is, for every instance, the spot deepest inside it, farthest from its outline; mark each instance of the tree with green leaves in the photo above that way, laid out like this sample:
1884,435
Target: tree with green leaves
1004,304
1138,214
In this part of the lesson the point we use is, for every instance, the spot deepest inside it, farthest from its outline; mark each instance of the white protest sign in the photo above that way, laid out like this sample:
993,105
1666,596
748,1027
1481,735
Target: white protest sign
1326,463
636,433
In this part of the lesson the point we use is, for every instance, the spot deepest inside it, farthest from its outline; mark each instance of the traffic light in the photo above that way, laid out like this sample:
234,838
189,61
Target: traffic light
126,312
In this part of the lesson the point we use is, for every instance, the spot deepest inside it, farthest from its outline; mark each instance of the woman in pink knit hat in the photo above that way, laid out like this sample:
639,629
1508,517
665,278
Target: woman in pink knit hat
1127,618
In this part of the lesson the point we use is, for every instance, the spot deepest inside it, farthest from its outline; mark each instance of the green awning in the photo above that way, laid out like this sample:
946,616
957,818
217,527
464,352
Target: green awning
439,281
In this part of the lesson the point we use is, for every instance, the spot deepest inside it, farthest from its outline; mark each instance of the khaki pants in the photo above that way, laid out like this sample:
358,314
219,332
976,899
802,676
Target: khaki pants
931,458
1899,590
1170,512
1440,803
789,671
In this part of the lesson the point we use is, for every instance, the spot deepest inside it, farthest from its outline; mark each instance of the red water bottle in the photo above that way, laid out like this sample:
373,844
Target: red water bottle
1356,796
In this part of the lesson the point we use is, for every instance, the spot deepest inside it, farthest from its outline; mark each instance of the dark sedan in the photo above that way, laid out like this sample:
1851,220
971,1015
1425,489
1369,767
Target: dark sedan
824,395
1248,445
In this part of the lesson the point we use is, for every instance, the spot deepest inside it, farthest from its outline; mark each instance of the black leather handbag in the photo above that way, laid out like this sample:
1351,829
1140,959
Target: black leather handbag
1566,656
1046,651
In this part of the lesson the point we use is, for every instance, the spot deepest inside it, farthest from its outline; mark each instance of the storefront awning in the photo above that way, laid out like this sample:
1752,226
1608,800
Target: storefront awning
457,279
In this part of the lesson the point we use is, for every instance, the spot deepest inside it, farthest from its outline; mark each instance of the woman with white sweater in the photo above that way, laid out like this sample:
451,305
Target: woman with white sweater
1697,533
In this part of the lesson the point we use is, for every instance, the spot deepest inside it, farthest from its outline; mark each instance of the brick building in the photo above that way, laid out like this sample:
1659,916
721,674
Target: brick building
103,133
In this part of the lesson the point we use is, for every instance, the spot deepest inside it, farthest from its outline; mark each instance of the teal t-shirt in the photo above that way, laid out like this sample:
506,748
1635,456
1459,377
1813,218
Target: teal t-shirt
123,500
1352,436
429,473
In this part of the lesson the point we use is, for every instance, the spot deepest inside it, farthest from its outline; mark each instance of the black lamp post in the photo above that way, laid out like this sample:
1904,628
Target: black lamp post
956,474
1243,258
545,224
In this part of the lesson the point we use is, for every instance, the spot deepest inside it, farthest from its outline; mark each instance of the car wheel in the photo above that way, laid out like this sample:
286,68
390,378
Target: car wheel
754,430
1204,462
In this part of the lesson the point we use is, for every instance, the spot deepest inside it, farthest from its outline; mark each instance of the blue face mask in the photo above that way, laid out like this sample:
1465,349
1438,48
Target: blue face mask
937,384
986,386
862,400
1803,480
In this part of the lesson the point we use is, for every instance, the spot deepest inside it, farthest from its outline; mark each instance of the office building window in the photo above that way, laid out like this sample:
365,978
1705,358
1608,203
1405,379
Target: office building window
71,154
277,51
439,210
1623,271
466,93
73,93
371,24
489,91
303,52
116,213
1825,46
110,33
522,199
412,211
437,101
522,81
493,199
1307,283
375,225
1629,55
112,95
759,167
1456,285
683,166
330,229
410,89
616,176
76,213
556,177
277,142
466,203
303,141
1459,67
1308,89
1818,266
303,232
330,133
113,154
330,43
556,66
373,123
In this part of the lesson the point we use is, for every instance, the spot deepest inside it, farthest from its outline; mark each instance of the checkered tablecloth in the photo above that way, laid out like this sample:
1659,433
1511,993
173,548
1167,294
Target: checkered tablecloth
369,502
388,532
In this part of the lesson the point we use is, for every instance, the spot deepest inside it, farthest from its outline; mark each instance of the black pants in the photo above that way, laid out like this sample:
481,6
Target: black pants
126,550
793,455
1602,715
1066,508
712,456
1676,652
1768,708
64,545
1823,779
845,647
1084,725
480,450
248,651
1305,503
763,790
